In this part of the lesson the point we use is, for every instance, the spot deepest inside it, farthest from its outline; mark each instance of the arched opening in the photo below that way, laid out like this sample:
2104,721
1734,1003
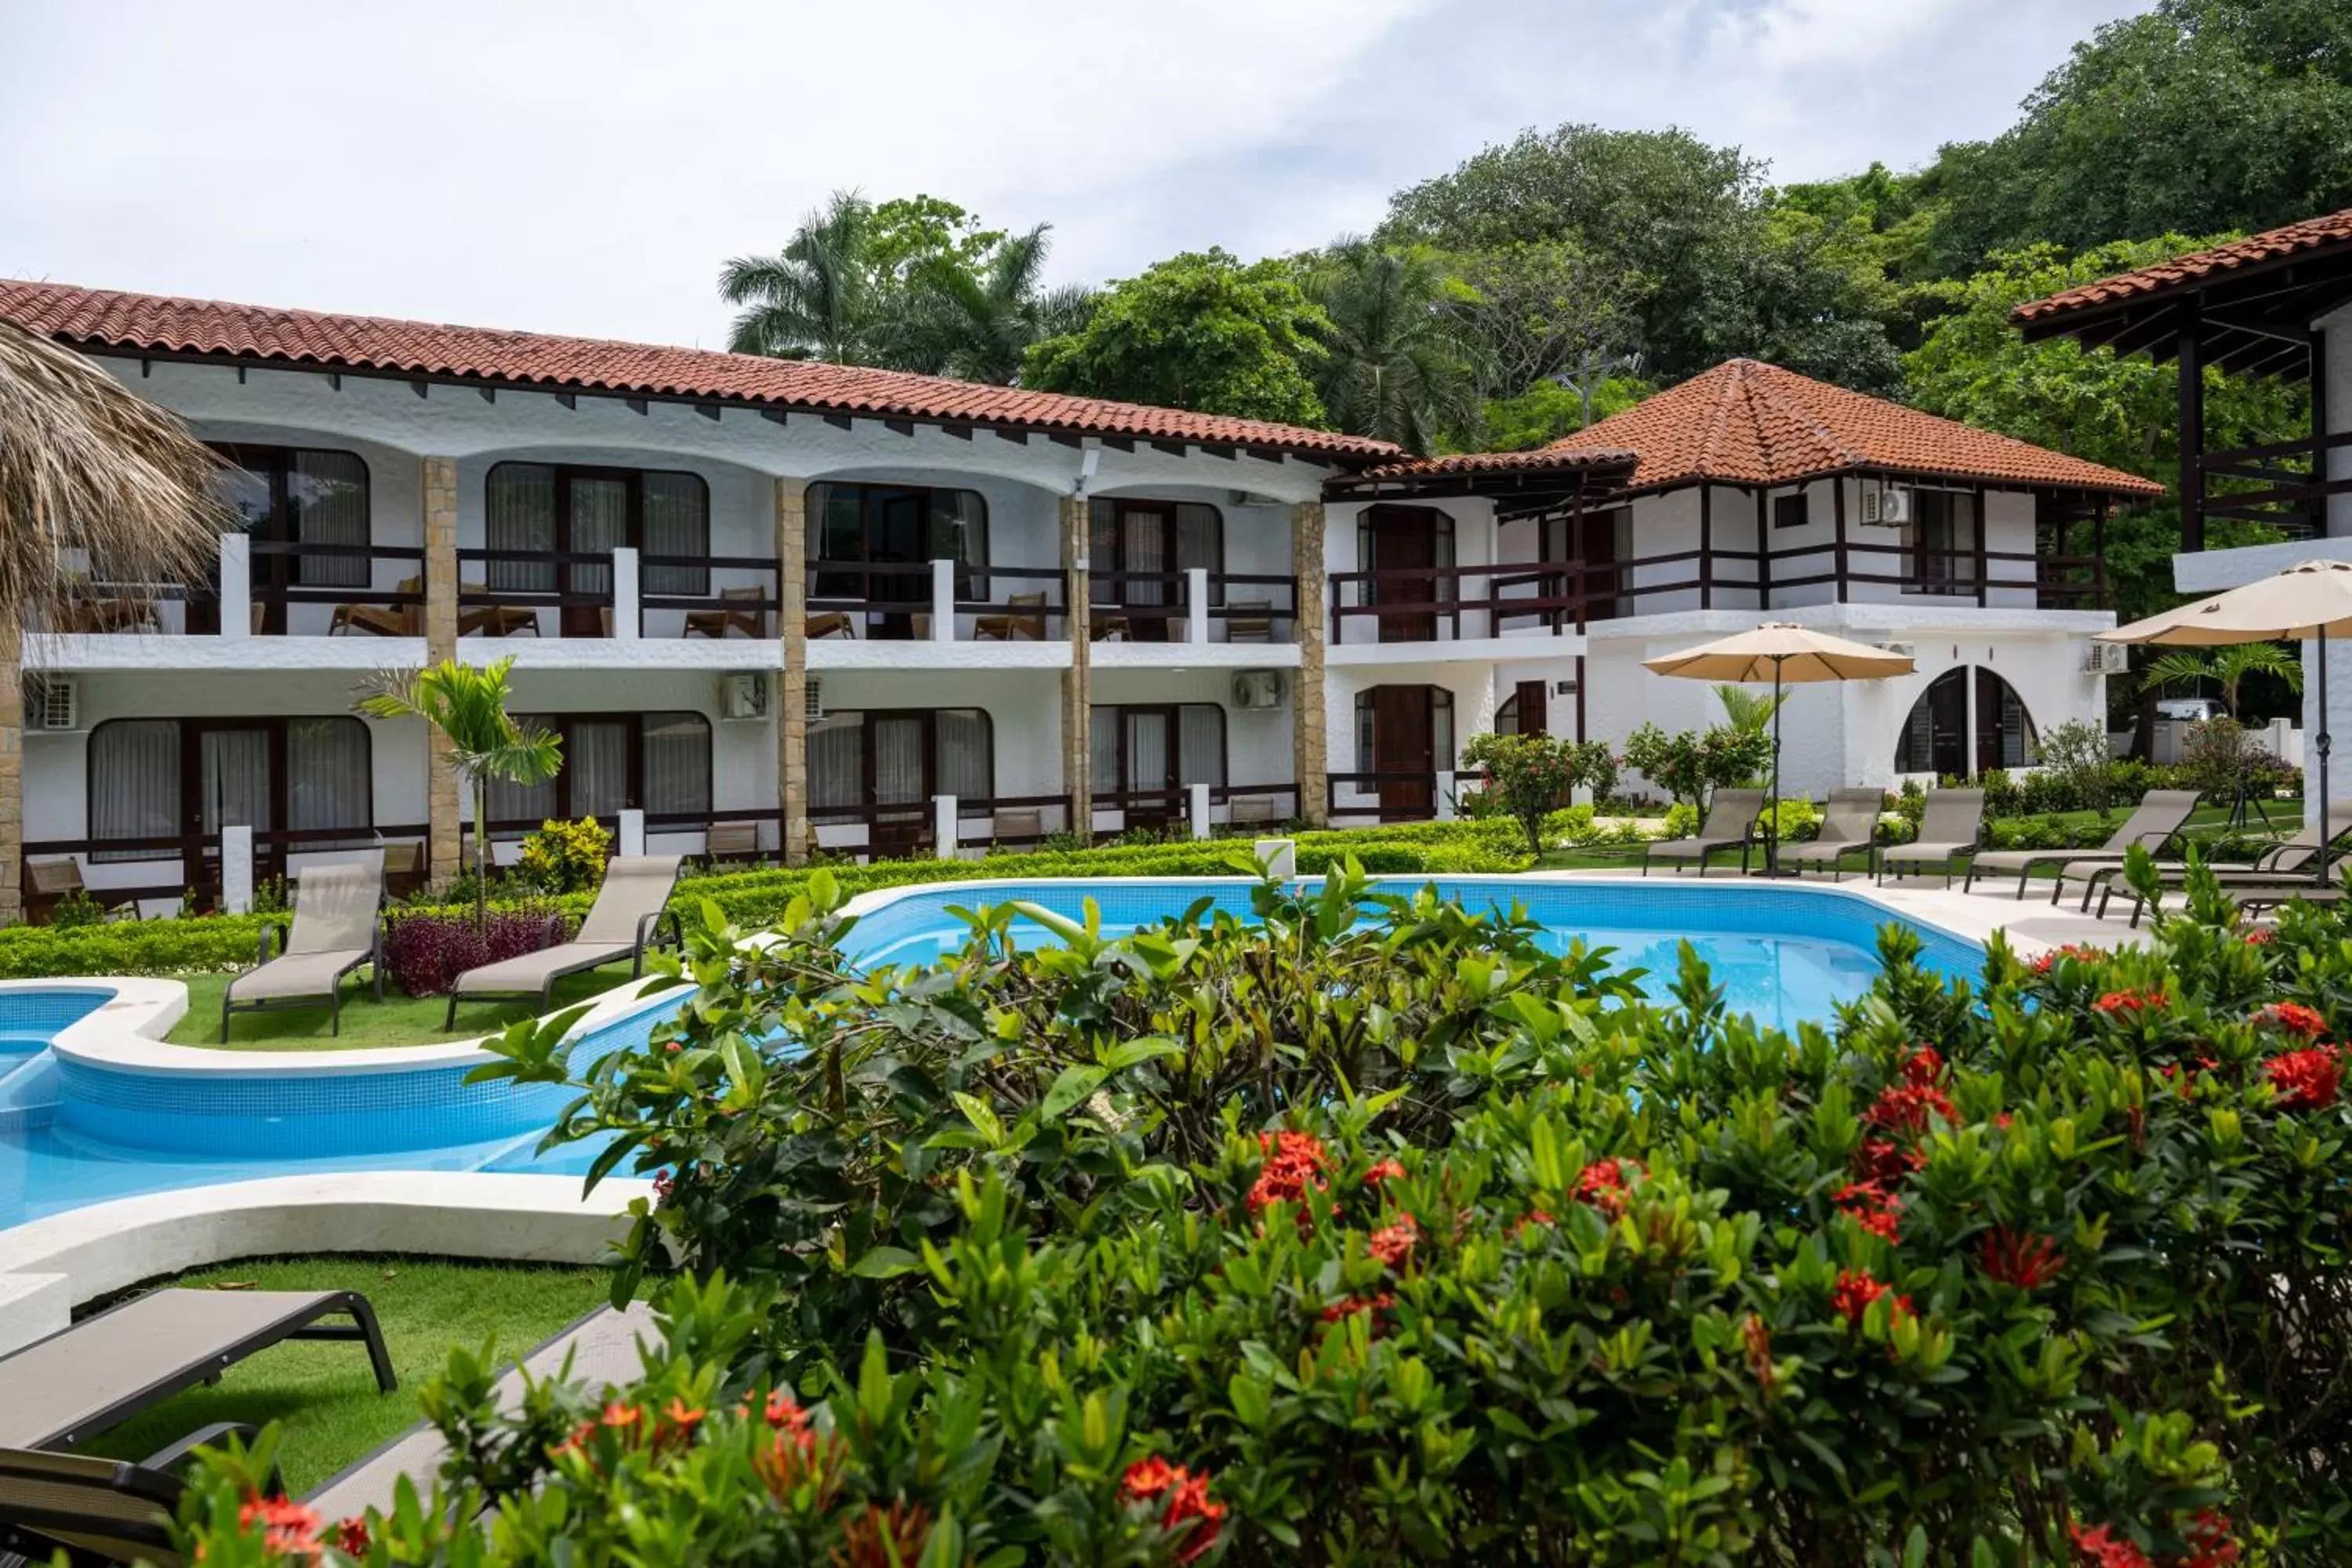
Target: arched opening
1951,736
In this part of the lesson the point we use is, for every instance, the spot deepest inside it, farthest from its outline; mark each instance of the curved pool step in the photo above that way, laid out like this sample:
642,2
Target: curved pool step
28,1091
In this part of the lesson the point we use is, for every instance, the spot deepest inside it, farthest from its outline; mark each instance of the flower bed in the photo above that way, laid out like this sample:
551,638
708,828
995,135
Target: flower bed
1328,1242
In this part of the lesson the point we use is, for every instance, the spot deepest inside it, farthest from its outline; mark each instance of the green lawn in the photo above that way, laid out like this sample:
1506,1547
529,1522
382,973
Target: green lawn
398,1020
323,1393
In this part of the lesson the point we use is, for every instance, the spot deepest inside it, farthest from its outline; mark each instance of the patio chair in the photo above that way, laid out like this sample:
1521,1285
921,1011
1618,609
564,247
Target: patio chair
382,620
1949,830
1730,825
337,928
59,1391
2160,817
622,924
1247,808
1023,621
744,610
2286,864
730,841
403,868
48,883
1249,620
1849,825
830,624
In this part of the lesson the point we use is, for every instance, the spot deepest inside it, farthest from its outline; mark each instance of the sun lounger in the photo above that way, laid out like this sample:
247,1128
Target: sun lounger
1948,831
2288,864
337,928
620,924
1730,825
1849,825
740,609
59,1391
2160,815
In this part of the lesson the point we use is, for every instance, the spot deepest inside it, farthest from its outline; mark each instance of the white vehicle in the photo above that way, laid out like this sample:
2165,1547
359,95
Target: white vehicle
2189,709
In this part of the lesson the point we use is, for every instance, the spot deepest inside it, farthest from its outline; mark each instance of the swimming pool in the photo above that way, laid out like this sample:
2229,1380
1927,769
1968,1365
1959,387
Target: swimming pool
77,1130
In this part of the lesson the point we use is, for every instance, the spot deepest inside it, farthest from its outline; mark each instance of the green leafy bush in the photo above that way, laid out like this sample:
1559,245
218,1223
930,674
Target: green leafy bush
1579,828
2073,832
564,856
1318,1240
1691,766
1795,819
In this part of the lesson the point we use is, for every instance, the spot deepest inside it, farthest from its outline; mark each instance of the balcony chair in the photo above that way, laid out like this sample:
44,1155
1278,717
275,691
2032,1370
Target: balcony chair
1022,827
730,841
403,870
831,624
1249,620
1249,808
1023,621
382,620
1951,828
744,611
48,883
109,615
1109,626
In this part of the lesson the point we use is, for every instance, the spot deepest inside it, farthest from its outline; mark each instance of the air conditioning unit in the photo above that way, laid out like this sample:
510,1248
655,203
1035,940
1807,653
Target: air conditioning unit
815,699
743,696
52,702
2106,658
1258,689
1900,650
1885,506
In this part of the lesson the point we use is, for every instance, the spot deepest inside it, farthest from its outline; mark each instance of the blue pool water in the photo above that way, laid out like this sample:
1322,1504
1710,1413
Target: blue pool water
70,1136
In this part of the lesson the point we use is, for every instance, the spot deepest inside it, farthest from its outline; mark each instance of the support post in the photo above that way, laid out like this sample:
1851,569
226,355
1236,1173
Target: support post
445,808
1837,510
1196,604
628,616
631,839
1706,546
236,869
946,835
236,584
12,772
1196,808
1311,745
792,709
944,610
1077,681
2192,364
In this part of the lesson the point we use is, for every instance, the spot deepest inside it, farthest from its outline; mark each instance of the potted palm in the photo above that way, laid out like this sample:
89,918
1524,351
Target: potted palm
467,705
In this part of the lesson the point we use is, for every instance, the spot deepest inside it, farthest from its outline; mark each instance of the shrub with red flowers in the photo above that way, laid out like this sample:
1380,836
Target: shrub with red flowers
2295,1019
1962,1278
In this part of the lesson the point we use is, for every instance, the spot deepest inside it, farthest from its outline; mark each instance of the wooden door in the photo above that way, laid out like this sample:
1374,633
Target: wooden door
1533,719
1947,725
1405,740
1404,540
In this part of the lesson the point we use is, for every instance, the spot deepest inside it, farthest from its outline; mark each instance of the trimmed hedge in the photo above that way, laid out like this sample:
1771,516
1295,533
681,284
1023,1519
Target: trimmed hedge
217,943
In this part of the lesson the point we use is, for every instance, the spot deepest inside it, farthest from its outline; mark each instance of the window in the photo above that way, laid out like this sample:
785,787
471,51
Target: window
550,508
1526,711
302,775
894,525
1792,511
656,763
900,757
1149,746
293,495
1943,532
1148,537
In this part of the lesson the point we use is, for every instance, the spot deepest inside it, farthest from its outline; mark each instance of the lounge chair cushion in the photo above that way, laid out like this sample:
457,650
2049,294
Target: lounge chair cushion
335,909
635,887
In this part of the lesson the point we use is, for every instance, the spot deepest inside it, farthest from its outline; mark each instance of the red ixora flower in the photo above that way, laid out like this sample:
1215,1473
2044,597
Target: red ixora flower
1756,1340
2308,1079
2026,1261
1187,1498
1856,1289
2118,1003
1873,1208
2209,1545
1393,1244
2295,1019
2262,936
1603,1184
287,1528
2074,950
1294,1163
352,1537
2100,1547
1348,1307
1386,1170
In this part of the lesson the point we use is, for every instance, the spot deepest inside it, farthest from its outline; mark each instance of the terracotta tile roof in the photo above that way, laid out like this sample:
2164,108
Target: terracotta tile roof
2311,234
1748,423
1542,459
94,318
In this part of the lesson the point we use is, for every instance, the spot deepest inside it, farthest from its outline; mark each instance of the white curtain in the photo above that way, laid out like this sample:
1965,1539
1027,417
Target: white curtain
966,767
836,752
597,757
533,804
678,763
1104,750
897,759
134,783
1200,541
1200,744
327,773
600,521
676,522
235,766
520,515
1147,750
1147,550
327,493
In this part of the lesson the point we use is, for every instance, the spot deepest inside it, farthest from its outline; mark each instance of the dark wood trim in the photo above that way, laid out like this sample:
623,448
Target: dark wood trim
1764,511
1174,713
190,812
930,784
633,789
1984,586
1706,546
269,575
1837,510
2191,431
633,525
1579,699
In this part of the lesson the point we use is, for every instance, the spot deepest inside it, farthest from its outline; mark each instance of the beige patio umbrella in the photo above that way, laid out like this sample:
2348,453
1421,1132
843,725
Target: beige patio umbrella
1781,651
2310,602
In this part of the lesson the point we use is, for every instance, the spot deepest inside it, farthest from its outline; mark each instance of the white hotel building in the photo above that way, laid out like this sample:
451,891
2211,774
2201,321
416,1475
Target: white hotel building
787,603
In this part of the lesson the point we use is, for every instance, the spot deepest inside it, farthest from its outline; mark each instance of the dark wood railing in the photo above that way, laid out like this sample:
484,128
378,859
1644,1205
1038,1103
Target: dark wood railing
2283,483
197,856
1413,795
742,610
486,611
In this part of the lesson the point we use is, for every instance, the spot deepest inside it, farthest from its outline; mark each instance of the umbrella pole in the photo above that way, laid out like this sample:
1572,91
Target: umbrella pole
2327,828
1772,840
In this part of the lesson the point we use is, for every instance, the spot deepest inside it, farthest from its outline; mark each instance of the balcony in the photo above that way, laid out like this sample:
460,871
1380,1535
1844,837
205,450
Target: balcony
935,601
1194,608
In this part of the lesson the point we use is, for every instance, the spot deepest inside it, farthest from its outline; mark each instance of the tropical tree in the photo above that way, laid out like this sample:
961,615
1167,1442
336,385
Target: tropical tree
976,318
816,299
2227,668
1393,365
467,706
1200,330
1751,713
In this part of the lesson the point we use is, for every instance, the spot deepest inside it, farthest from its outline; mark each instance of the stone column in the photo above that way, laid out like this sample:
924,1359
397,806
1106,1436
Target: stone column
1077,682
445,809
792,707
12,772
1309,709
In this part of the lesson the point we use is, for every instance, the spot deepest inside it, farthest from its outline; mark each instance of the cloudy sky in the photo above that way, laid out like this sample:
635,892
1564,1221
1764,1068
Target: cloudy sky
585,166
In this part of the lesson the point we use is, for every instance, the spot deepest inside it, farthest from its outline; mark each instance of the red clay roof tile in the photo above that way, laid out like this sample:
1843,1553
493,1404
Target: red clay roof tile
93,318
2311,234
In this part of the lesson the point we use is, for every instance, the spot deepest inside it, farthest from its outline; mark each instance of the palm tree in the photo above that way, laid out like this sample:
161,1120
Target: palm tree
468,706
1395,370
816,299
2228,668
1749,712
88,468
977,326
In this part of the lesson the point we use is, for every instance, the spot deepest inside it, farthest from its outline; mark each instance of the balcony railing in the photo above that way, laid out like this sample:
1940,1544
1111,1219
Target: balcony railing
904,829
1194,605
1230,805
1397,796
935,601
133,869
2285,483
